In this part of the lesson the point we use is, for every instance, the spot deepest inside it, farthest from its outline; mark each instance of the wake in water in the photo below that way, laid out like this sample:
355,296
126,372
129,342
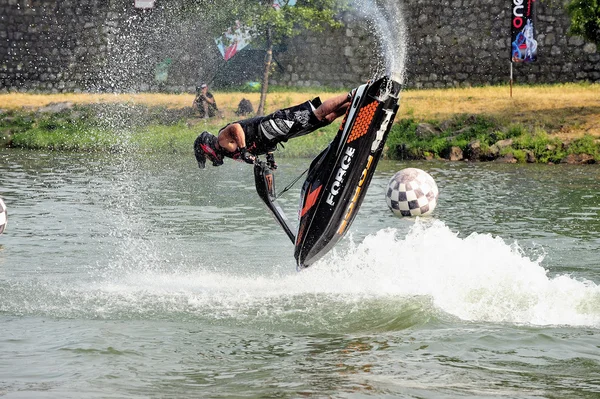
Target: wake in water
479,278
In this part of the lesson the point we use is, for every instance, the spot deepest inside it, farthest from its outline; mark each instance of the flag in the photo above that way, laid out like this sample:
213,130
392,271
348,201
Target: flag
233,41
523,43
238,37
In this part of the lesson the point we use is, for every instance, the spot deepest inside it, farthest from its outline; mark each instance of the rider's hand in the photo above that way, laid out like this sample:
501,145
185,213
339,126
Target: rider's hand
351,94
246,156
271,161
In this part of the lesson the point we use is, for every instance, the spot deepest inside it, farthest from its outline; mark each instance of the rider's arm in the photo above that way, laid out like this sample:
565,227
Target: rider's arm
236,141
232,137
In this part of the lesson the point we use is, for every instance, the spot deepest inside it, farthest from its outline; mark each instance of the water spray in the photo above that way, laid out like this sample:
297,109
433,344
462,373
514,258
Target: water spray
386,18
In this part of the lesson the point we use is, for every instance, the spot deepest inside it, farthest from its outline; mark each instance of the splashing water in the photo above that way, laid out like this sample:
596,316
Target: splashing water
385,18
479,278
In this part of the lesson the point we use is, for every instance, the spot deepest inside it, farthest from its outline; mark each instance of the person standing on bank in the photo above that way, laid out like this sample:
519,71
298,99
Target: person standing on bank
245,139
205,102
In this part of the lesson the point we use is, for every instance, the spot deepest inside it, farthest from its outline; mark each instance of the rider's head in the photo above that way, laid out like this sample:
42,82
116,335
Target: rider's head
206,146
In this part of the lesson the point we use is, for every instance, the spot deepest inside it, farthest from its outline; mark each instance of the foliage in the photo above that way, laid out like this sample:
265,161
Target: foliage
584,145
404,142
93,127
65,139
16,121
259,16
176,138
585,19
519,155
152,127
544,147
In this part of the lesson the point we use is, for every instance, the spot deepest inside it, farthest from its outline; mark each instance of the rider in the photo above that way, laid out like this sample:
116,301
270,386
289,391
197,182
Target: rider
245,139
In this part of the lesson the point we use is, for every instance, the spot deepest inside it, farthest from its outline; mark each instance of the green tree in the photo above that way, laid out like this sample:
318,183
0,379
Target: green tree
270,25
585,19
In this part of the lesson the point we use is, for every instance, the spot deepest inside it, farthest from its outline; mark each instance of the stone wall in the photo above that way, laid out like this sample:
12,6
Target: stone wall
38,48
450,43
462,42
102,45
108,45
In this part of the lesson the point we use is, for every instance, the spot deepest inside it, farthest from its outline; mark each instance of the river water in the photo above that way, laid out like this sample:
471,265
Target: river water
130,276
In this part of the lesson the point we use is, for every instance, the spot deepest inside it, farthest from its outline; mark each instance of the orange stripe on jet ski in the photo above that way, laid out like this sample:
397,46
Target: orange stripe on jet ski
311,198
363,121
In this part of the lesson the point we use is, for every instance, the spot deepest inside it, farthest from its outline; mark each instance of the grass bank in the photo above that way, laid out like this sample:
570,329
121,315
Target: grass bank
546,122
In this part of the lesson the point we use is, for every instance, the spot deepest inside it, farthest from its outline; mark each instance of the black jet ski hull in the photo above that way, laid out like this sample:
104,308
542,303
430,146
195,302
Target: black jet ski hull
339,177
265,187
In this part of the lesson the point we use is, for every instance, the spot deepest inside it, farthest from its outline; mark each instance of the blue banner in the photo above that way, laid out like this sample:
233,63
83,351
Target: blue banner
524,45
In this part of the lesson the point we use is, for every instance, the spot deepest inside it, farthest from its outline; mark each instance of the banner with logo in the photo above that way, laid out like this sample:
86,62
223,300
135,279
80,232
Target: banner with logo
523,43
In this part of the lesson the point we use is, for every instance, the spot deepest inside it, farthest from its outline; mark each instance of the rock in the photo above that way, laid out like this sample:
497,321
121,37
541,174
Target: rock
455,154
508,158
504,143
449,139
589,48
578,159
426,130
530,156
461,131
446,125
494,151
8,120
54,108
5,138
474,150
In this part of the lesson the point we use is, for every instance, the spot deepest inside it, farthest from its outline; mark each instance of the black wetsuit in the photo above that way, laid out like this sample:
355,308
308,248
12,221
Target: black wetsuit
263,133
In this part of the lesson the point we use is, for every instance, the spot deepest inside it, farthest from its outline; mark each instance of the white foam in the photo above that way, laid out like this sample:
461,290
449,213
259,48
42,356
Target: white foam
477,278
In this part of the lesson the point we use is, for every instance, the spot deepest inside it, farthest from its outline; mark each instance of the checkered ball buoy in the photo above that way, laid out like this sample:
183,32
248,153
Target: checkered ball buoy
3,217
412,192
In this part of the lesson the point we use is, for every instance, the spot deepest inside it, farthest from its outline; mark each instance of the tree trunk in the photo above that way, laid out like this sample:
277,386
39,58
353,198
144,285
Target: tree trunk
266,72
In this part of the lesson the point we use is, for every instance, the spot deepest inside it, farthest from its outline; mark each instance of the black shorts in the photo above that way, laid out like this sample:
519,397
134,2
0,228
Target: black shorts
291,122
